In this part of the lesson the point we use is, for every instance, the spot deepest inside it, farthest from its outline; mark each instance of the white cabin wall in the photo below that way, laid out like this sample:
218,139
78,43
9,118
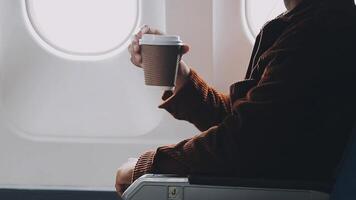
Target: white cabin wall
231,45
219,53
192,20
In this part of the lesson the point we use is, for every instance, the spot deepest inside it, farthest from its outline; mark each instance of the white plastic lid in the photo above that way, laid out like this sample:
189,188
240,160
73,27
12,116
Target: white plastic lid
150,39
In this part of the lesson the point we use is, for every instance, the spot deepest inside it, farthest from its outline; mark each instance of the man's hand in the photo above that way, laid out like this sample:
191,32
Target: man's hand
124,176
136,58
135,49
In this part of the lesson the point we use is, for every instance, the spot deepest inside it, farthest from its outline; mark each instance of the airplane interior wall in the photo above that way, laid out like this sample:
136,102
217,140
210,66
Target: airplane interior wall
68,122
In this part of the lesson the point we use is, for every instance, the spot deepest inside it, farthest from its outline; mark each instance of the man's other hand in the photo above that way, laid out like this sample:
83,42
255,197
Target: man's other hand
124,176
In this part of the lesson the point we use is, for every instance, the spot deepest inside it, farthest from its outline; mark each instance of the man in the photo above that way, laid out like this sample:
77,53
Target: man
289,119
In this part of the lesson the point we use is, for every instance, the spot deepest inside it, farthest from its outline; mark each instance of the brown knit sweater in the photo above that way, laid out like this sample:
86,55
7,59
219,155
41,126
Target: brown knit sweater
289,119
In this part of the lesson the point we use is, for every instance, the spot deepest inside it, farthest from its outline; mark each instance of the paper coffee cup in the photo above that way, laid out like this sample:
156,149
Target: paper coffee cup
160,59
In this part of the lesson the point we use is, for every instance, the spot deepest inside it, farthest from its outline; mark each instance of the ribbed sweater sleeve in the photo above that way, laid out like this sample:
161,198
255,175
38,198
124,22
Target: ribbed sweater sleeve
144,165
197,103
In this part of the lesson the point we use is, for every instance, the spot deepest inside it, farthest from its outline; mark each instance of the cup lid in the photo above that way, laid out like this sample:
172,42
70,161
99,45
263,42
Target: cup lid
151,39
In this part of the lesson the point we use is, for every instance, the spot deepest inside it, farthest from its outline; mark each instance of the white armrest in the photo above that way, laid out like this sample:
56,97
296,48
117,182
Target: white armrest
163,187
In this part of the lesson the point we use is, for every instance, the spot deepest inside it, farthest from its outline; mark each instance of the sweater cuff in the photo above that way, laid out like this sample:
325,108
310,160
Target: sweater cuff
192,91
143,165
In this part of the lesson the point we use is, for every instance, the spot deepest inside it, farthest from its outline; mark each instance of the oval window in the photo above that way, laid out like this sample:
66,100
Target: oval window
258,12
84,26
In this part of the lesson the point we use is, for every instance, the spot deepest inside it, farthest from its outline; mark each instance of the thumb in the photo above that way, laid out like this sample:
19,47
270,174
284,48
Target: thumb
185,49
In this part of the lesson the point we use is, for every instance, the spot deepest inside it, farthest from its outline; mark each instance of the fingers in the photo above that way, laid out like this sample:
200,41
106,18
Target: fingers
117,183
155,31
137,60
121,183
121,188
135,49
124,176
135,52
148,30
145,29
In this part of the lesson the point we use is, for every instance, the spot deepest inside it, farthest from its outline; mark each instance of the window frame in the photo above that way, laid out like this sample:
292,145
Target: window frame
251,35
62,52
245,22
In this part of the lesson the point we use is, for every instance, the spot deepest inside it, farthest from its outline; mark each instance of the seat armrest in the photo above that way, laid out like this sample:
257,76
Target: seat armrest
170,187
261,183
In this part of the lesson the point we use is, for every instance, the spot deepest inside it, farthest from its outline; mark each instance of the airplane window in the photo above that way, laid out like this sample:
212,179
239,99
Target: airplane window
84,26
257,13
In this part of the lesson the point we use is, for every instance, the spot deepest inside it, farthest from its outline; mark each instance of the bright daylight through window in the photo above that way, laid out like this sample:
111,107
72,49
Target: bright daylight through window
258,12
84,26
